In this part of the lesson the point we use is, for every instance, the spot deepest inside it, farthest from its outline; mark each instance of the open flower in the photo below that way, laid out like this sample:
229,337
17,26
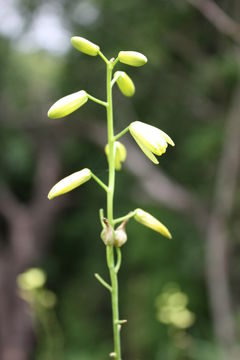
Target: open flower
150,139
148,220
120,154
70,182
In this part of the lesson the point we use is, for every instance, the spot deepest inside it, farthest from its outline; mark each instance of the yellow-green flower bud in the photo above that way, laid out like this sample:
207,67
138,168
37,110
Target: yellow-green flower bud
67,104
33,278
150,139
132,58
120,235
107,234
85,46
120,154
125,83
69,183
148,220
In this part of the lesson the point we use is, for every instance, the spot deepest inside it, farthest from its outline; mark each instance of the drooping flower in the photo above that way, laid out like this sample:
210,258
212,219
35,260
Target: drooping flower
150,139
67,104
148,220
124,83
69,183
120,154
132,58
85,46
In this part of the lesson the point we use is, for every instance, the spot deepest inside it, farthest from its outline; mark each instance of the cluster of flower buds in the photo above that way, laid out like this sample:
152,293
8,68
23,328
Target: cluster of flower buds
151,140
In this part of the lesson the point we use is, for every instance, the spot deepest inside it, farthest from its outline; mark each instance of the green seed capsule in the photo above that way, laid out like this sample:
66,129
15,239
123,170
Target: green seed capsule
132,58
67,104
107,233
85,46
125,83
120,235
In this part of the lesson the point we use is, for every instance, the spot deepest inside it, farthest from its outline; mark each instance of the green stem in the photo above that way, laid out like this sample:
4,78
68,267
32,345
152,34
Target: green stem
103,57
103,282
123,132
126,217
96,100
110,197
119,259
100,182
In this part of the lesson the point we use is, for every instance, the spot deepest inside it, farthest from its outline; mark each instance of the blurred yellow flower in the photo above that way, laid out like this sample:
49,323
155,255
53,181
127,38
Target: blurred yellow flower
150,139
32,278
70,182
148,220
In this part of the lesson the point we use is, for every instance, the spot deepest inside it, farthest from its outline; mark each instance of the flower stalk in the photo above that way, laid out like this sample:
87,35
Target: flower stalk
151,141
110,198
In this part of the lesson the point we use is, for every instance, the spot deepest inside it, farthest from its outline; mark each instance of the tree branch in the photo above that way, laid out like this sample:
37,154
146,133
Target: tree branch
218,18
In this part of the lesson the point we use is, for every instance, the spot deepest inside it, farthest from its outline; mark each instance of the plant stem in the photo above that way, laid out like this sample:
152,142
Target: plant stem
96,100
123,132
99,182
110,196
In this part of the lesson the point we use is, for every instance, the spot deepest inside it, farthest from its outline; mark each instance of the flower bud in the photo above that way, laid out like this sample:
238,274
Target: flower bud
107,234
67,104
125,83
132,58
33,278
120,154
148,220
120,235
150,139
69,183
85,46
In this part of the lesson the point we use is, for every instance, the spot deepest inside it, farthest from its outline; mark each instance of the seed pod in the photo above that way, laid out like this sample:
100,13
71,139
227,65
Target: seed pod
67,104
107,234
69,183
132,58
148,220
125,83
120,235
85,46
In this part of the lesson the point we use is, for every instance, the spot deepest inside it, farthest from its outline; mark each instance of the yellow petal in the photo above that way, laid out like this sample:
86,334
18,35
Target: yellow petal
151,137
132,58
148,220
67,104
147,152
69,183
85,46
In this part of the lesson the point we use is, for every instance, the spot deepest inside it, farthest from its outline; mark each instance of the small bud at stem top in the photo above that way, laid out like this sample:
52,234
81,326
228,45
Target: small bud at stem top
132,58
85,46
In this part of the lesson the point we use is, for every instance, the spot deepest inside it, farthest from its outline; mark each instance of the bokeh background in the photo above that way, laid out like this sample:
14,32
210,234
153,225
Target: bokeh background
181,297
